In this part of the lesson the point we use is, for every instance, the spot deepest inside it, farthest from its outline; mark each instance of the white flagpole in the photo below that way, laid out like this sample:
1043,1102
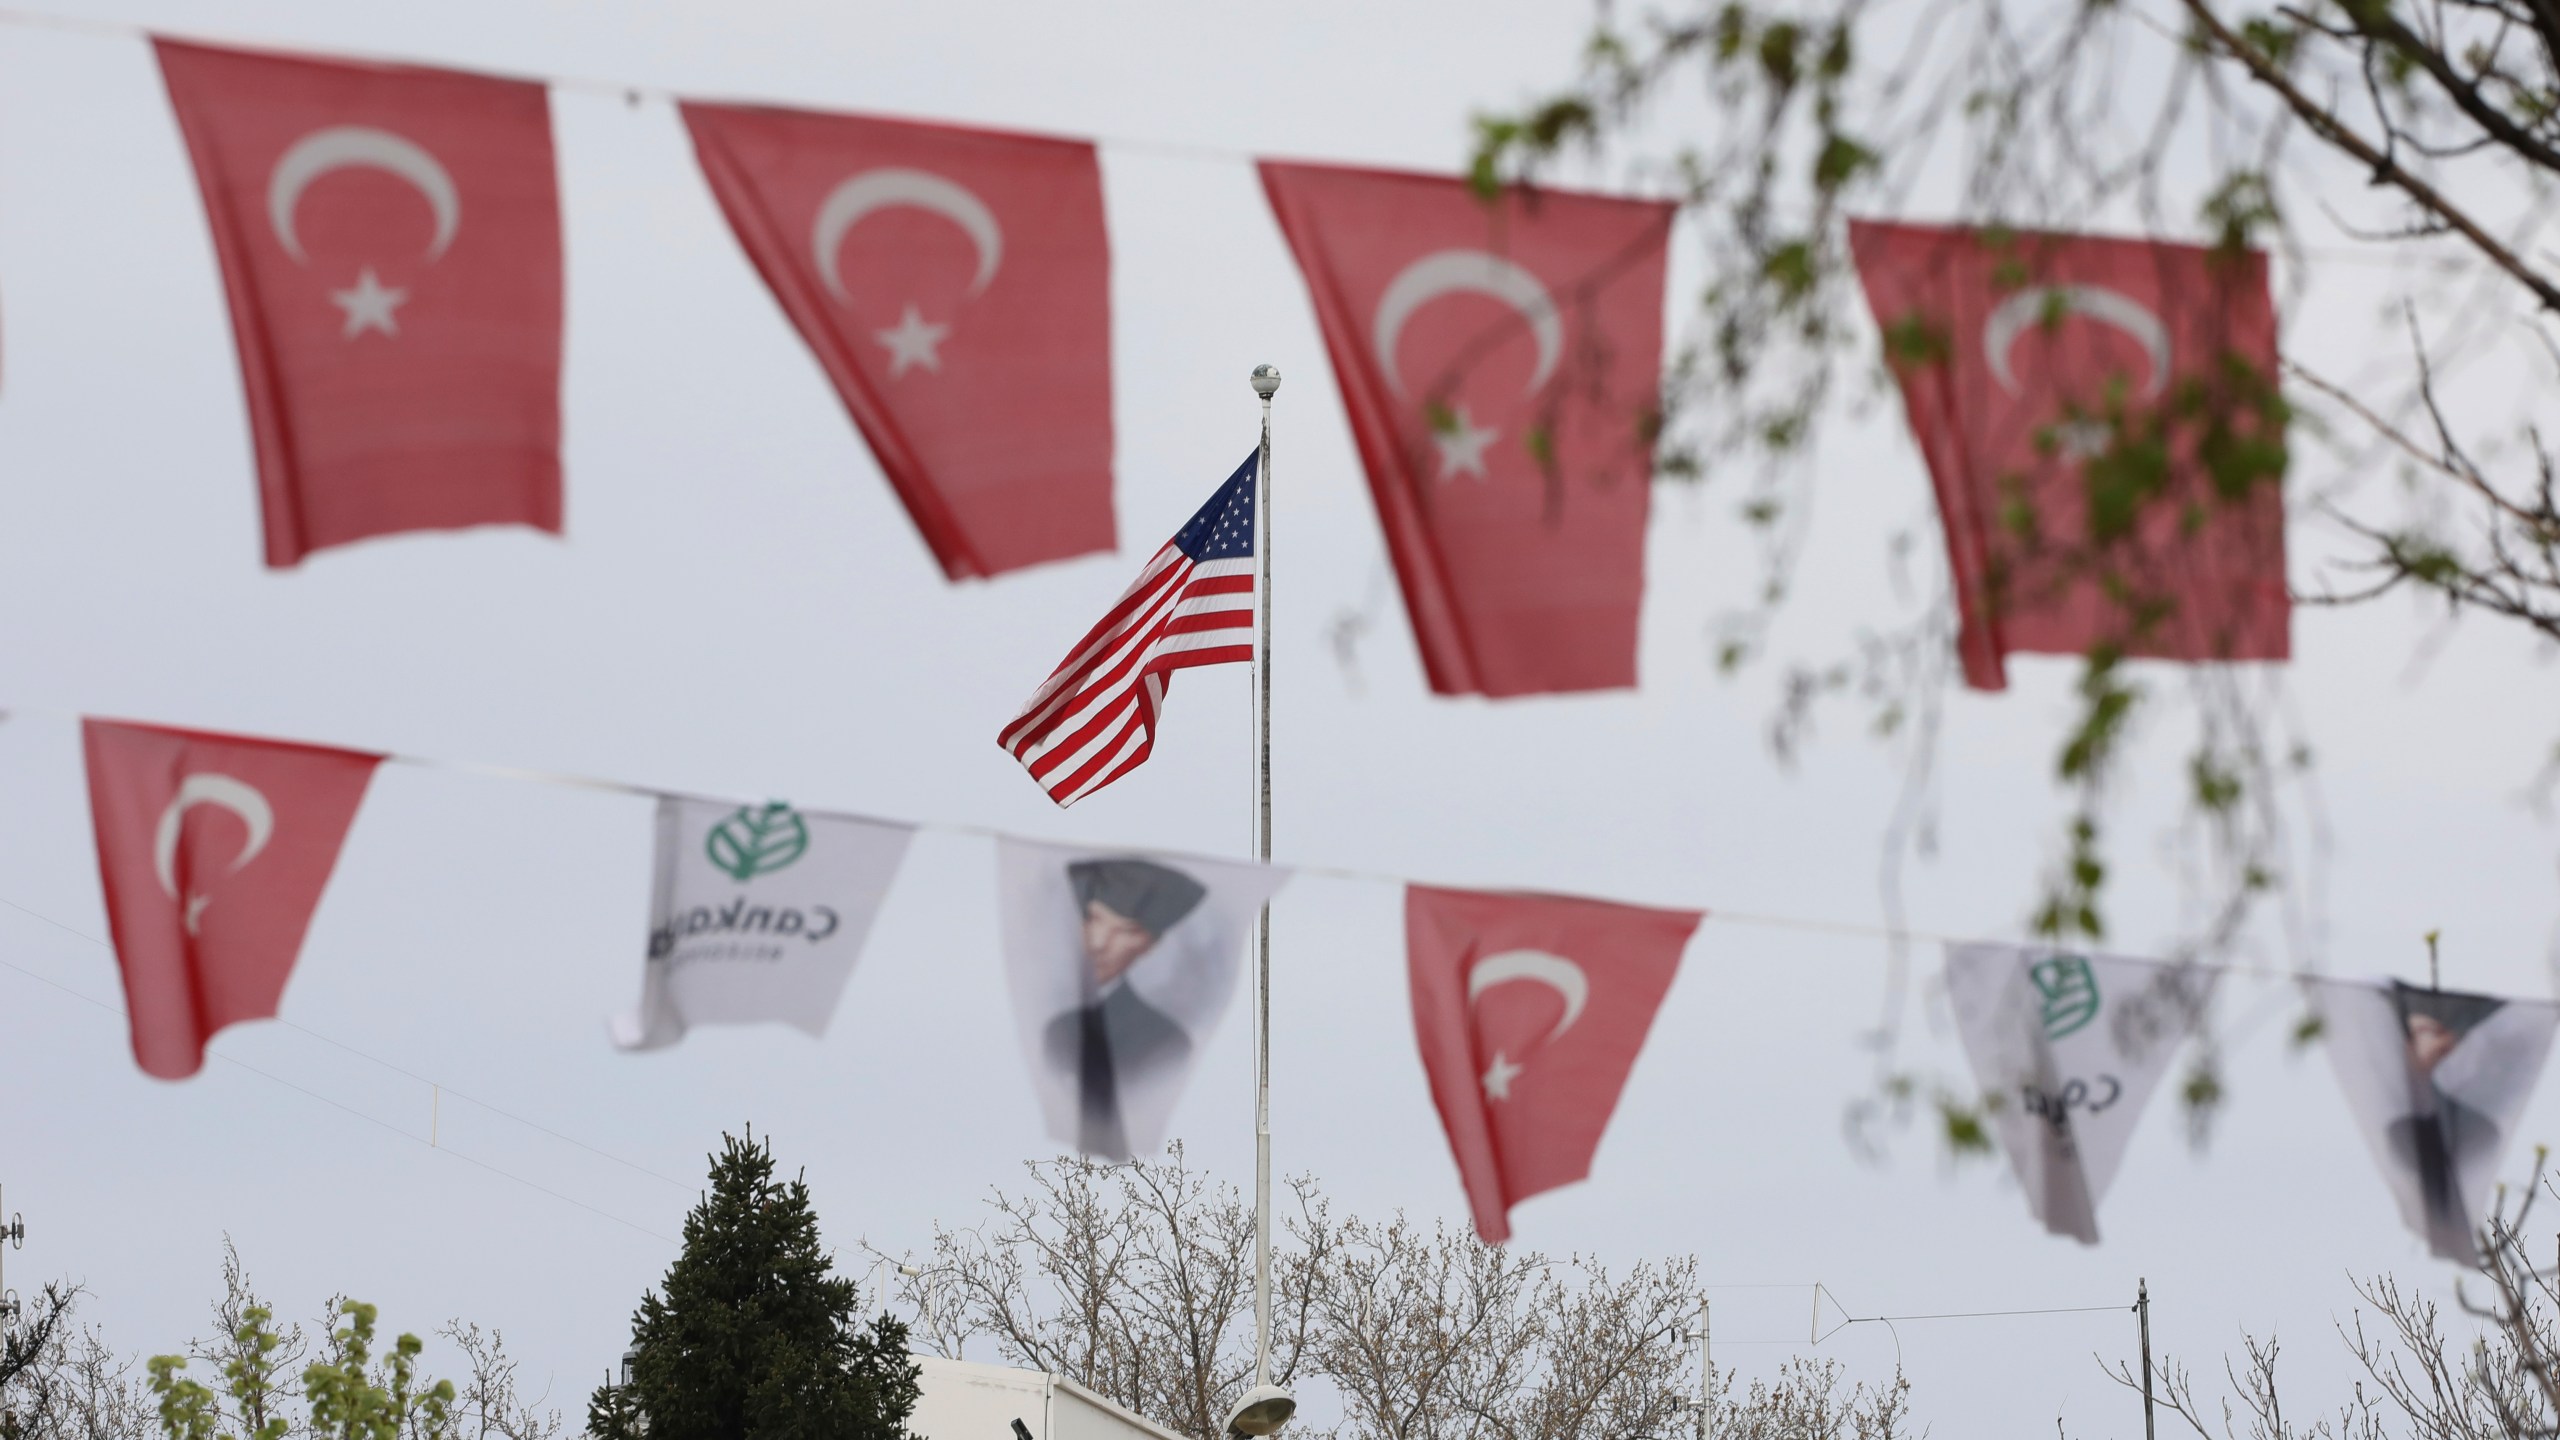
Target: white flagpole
1265,1407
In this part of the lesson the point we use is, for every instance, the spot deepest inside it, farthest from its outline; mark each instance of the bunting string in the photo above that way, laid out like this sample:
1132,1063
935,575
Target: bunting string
2066,1047
634,92
109,1008
1760,920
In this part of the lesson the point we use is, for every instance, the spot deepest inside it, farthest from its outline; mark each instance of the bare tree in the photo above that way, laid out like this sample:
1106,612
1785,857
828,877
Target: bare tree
2424,1376
489,1406
1136,1280
1805,1402
1429,1335
27,1345
60,1381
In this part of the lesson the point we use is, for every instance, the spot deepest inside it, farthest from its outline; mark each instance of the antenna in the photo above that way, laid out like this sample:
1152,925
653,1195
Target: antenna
1706,1372
2142,1307
13,1236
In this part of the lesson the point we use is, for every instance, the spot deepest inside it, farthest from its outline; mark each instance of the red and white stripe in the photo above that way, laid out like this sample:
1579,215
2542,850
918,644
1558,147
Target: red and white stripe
1094,719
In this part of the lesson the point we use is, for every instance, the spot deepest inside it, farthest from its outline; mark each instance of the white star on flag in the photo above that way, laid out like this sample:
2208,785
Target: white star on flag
911,342
1462,445
369,305
1498,1077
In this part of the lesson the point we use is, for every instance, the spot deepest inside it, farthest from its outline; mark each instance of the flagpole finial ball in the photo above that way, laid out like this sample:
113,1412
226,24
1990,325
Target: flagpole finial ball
1266,380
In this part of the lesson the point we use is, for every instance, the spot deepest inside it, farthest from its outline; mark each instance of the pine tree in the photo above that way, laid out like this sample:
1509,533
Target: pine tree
756,1337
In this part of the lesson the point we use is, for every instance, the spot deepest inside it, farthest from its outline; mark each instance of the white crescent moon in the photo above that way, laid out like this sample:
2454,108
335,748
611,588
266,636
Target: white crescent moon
1445,272
872,190
237,796
340,146
1553,971
2112,307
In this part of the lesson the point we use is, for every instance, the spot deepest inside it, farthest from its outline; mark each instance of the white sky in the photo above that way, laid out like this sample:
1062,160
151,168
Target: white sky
741,608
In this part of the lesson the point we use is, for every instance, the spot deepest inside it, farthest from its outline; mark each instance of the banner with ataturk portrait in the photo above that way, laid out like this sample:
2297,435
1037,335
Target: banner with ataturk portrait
1121,967
2437,1080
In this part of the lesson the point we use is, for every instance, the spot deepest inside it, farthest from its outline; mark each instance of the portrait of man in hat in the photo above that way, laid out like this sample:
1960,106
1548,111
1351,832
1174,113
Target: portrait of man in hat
1125,906
2437,1081
1121,968
2441,1136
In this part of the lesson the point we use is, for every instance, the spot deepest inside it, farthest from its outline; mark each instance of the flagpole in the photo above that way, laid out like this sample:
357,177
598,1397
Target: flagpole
1264,1408
1266,382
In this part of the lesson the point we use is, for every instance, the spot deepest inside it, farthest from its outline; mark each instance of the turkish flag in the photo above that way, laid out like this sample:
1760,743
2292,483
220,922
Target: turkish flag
213,850
1530,1010
2024,356
955,285
1501,365
390,244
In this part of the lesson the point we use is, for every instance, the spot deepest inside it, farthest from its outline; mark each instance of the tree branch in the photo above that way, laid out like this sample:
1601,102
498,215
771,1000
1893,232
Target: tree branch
2386,170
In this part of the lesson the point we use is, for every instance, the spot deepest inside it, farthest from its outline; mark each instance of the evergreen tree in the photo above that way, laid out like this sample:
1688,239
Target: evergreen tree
756,1336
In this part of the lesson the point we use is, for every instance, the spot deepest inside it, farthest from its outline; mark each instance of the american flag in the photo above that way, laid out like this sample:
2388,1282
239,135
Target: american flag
1094,719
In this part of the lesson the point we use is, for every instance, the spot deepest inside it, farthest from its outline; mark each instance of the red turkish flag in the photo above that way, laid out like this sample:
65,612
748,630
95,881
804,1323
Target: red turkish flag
1470,337
213,850
955,285
390,244
1530,1010
2013,351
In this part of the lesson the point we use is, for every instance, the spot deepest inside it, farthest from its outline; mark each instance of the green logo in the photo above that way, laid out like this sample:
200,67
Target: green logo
756,842
2069,991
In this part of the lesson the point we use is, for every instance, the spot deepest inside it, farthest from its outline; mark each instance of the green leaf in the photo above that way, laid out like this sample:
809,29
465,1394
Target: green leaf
1841,160
754,842
1836,52
1790,267
2202,1090
1540,442
1778,62
1914,339
1966,1134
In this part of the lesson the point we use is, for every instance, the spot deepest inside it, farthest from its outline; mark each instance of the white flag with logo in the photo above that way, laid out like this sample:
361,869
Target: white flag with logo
2067,1049
758,913
1121,966
2437,1080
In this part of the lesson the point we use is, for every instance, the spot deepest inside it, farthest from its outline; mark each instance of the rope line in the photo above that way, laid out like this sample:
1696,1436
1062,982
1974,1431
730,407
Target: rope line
1988,1314
1888,1321
1751,919
1351,874
118,1012
366,1055
634,92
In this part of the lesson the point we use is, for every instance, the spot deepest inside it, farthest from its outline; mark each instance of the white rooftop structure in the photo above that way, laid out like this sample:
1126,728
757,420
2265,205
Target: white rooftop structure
960,1400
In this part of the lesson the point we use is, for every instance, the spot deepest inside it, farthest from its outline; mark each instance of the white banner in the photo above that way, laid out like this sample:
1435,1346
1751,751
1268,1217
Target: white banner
758,913
1121,965
2067,1049
2437,1080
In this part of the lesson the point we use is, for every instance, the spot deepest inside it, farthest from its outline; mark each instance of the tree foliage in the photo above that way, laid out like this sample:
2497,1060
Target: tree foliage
2399,153
349,1393
755,1337
72,1385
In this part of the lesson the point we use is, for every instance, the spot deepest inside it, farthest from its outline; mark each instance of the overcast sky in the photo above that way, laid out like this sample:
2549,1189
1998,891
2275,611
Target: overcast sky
739,607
